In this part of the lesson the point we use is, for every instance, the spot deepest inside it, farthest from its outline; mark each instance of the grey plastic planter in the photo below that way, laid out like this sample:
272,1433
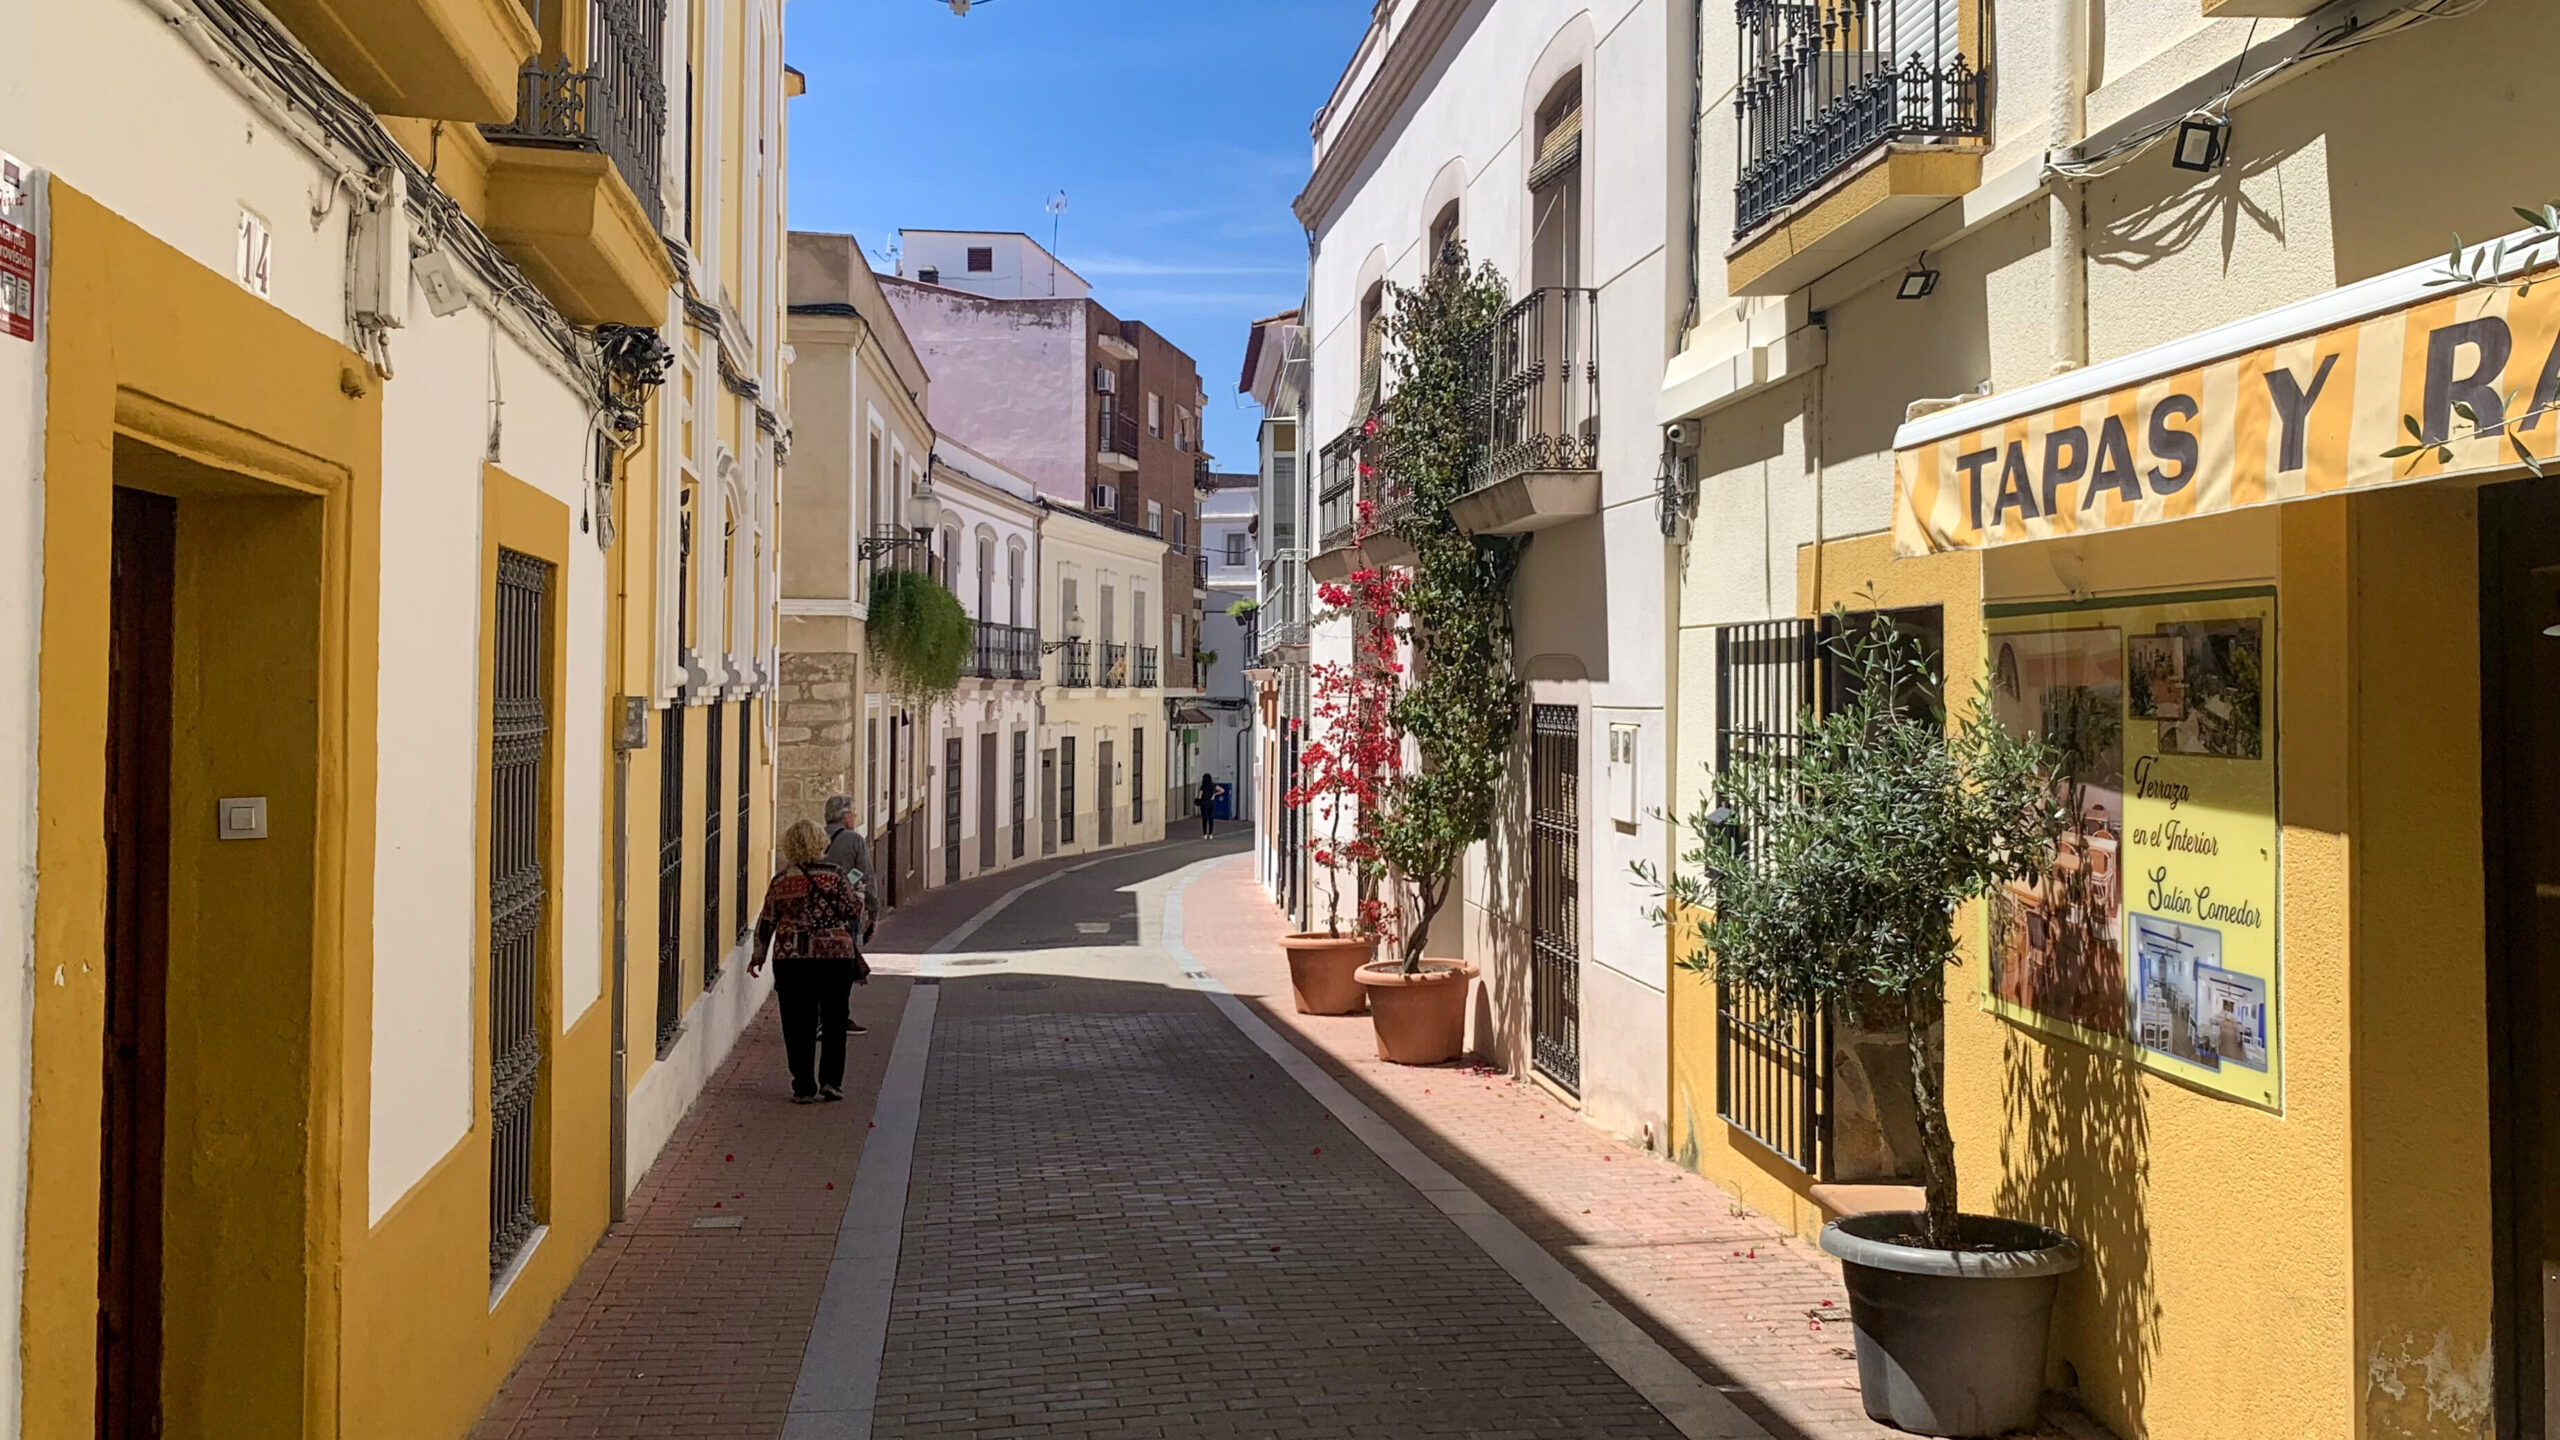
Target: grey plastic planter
1951,1342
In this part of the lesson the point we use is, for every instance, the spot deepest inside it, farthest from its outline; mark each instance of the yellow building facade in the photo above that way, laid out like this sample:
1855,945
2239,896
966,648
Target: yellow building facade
330,365
2111,431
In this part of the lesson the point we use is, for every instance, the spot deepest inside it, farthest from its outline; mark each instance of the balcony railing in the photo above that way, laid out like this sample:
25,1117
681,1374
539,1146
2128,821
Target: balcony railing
1119,432
1005,652
1338,491
1146,678
1543,397
1826,81
1281,620
617,105
1115,666
1075,664
1199,572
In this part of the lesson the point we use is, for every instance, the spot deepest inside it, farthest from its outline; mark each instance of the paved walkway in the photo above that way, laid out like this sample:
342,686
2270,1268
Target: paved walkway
1126,1202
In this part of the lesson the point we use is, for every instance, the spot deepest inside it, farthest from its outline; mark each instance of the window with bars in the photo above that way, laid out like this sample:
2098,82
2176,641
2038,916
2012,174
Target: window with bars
1137,777
1774,1064
1066,789
714,940
1555,890
746,918
670,878
519,828
1021,782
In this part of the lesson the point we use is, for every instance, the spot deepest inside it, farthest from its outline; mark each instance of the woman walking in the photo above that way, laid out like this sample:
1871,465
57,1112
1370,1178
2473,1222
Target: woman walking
812,914
1210,790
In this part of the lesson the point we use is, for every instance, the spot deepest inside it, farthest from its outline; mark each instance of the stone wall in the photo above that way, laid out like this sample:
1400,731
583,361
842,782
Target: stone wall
815,736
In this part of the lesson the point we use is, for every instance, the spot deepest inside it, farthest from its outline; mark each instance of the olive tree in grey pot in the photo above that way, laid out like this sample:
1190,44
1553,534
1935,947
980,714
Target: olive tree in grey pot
1827,874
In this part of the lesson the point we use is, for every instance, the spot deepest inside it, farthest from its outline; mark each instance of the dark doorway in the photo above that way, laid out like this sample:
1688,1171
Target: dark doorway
2520,795
1048,802
141,599
1105,797
987,801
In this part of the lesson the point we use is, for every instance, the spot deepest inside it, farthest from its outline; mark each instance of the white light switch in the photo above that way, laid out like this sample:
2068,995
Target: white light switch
243,817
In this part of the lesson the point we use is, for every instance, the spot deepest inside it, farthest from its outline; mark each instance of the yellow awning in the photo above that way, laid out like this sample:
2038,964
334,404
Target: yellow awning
2297,402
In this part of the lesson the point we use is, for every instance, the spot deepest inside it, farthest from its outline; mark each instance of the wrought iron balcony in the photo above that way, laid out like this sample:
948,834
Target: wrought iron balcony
1004,652
1146,677
1338,491
1115,665
1199,572
1118,434
1827,81
616,105
1543,397
1075,664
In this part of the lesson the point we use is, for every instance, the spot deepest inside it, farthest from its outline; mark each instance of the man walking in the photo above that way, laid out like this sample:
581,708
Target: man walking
850,851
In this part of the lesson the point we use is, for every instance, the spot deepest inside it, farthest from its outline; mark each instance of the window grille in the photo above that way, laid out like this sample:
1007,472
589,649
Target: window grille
1138,770
1555,886
714,939
1021,759
519,734
671,879
746,918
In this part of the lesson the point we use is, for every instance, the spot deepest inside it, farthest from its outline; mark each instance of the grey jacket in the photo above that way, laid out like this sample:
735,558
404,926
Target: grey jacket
850,852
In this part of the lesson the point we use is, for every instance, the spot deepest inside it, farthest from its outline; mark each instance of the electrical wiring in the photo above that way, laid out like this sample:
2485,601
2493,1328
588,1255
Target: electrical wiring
2334,41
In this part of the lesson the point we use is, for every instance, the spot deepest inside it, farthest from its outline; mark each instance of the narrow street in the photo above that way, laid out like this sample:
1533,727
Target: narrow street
1095,1179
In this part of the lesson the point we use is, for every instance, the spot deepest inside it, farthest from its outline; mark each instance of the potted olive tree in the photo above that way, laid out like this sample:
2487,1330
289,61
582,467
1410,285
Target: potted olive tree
1458,711
1827,875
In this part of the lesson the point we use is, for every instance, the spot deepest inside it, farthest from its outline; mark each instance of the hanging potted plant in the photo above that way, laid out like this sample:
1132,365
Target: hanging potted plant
918,636
1460,708
1343,770
1827,877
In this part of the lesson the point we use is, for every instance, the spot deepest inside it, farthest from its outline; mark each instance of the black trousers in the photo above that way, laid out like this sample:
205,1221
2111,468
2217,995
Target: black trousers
813,996
1208,819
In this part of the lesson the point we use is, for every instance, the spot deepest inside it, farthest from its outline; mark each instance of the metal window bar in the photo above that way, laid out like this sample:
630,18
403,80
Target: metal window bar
1146,677
519,733
715,715
1115,665
1075,664
1066,790
1773,1064
1021,782
1555,887
1138,772
671,878
1824,82
1542,386
745,921
951,810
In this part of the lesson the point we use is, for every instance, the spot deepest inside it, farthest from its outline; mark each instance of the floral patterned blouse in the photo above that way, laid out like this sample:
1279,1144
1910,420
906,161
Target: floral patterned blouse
811,912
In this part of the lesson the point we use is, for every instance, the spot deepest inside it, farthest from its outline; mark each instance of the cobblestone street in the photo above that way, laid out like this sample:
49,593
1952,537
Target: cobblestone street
1096,1180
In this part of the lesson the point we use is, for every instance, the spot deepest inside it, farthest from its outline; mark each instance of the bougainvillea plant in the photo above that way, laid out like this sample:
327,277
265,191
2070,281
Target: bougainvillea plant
1356,750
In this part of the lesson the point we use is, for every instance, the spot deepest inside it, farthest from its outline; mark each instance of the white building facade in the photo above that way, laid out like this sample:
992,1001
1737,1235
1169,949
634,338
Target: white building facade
984,737
1533,133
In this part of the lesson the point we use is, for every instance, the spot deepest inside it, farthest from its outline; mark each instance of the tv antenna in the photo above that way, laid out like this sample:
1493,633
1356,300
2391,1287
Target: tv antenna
1057,208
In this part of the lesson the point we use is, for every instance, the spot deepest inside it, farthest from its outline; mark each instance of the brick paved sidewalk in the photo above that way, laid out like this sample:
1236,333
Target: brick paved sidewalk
1752,1310
691,1317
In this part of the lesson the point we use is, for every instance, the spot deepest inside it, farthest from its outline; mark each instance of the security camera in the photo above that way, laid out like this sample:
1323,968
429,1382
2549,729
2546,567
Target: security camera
1676,433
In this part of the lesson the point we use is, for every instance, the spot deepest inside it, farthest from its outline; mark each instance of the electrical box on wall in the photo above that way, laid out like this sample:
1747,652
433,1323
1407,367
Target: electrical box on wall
1622,775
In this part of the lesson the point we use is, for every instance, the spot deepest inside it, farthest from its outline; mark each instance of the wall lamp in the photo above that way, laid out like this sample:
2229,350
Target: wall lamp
1917,281
2204,143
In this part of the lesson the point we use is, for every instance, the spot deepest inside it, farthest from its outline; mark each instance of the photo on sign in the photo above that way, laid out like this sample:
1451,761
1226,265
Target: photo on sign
2169,1013
2056,946
2222,675
2156,676
2233,1010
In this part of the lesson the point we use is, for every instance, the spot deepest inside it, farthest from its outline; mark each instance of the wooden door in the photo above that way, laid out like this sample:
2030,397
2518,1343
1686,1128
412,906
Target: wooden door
136,1065
987,801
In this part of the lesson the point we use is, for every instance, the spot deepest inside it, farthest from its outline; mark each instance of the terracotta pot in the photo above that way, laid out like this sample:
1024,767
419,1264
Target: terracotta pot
1324,972
1421,1019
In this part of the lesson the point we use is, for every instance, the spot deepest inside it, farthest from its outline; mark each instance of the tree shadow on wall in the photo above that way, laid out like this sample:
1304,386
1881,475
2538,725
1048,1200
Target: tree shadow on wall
2172,224
2075,1145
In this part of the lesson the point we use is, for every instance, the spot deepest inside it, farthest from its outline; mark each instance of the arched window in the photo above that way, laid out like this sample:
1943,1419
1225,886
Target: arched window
1373,343
1444,234
1013,583
951,557
1555,189
986,576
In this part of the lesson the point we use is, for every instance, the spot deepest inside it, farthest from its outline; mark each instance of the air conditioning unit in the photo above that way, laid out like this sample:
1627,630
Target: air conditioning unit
1106,497
1106,380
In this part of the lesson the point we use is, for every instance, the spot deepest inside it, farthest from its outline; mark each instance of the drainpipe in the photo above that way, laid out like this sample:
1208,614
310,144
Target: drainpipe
2067,240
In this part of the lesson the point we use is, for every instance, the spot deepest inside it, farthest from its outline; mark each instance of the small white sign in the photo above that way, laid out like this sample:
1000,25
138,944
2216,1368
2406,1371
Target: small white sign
257,252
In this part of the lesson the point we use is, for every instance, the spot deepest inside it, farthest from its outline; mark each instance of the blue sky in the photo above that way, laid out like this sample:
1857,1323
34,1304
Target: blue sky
1178,129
